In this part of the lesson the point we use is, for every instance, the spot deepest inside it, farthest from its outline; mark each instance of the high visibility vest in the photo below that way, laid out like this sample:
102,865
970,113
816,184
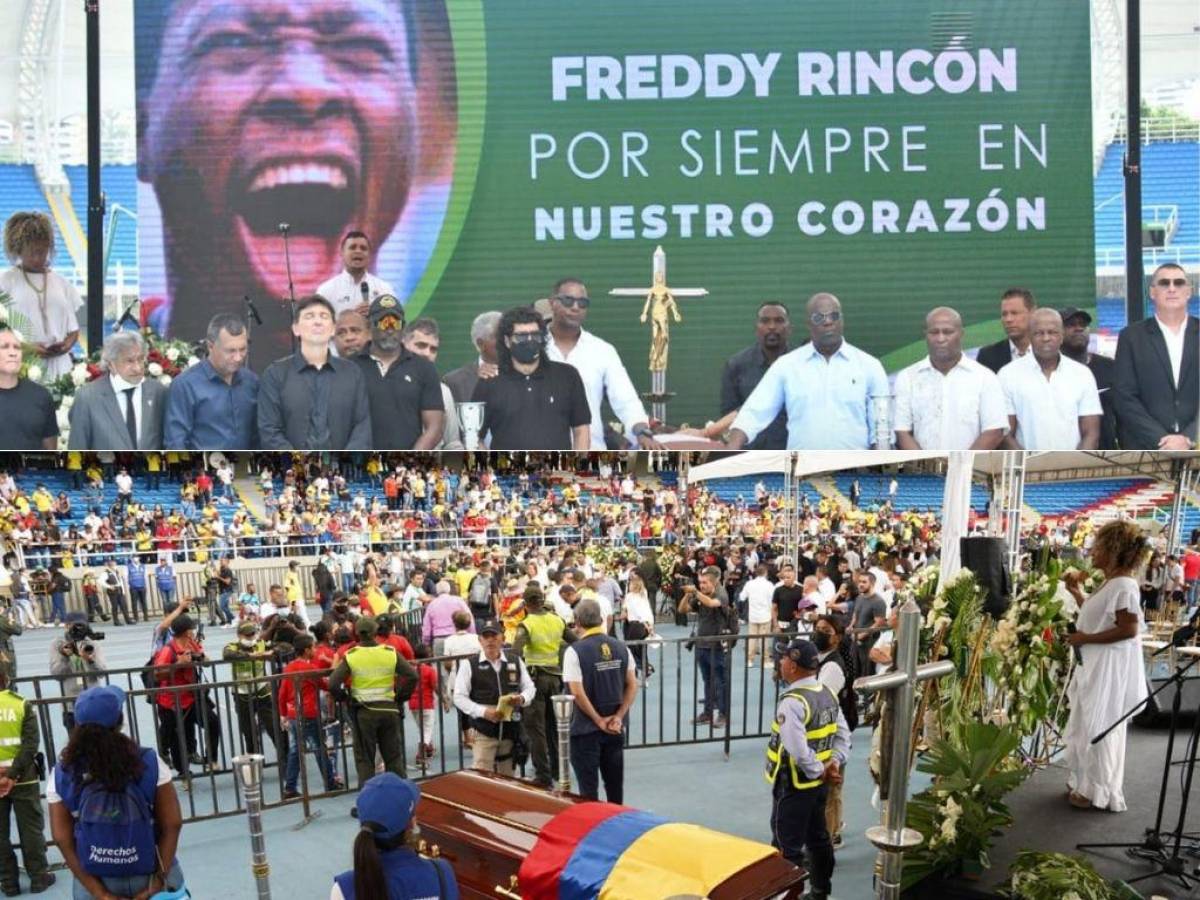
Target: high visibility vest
820,727
249,670
373,670
12,717
545,638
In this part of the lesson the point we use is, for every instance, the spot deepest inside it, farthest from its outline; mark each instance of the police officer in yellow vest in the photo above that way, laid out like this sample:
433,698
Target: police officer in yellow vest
380,679
540,639
252,693
19,794
809,744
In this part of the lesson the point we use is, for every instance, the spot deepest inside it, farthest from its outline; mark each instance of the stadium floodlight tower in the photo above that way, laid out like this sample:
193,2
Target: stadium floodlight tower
1008,499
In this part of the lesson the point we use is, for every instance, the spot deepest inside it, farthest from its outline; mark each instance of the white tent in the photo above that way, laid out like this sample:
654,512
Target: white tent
752,462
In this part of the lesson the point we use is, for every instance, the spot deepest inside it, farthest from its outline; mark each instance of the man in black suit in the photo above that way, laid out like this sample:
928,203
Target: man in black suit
1157,378
1075,345
1016,311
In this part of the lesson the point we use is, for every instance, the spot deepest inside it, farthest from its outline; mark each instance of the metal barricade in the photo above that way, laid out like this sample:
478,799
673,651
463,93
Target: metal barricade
200,737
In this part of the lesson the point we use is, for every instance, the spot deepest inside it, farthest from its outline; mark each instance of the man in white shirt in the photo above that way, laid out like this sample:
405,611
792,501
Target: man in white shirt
759,594
947,401
828,388
825,585
598,365
1052,401
492,748
346,289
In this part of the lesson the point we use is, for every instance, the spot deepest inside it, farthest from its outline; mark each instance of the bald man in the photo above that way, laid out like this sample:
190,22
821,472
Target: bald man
827,387
1051,399
351,333
947,401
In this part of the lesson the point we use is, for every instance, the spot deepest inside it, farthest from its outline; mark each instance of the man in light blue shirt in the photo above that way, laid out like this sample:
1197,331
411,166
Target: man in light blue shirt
826,386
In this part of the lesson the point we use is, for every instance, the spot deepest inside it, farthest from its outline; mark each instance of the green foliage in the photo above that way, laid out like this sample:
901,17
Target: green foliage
973,767
1056,876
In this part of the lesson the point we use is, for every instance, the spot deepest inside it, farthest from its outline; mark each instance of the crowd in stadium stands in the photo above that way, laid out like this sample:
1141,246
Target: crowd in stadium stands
364,378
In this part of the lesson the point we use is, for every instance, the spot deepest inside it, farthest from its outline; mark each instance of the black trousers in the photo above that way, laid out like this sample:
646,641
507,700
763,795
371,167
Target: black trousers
137,600
116,600
599,755
256,715
798,825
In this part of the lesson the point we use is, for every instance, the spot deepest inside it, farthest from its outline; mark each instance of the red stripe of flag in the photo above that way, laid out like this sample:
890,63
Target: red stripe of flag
540,872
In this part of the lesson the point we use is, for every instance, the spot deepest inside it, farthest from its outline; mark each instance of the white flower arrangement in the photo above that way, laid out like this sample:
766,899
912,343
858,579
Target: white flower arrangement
173,354
79,375
35,373
154,370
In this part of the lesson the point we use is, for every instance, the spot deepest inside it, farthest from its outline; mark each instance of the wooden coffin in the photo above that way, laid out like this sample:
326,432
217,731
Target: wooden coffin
485,825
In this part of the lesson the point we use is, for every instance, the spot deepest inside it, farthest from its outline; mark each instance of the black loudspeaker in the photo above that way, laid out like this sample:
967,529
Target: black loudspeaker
986,557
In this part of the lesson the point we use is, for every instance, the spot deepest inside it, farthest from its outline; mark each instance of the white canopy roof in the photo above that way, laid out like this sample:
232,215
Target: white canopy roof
1076,463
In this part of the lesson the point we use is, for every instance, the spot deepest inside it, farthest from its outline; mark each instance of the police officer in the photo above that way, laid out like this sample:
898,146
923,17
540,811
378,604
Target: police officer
540,639
386,865
601,675
252,692
482,683
808,747
19,794
380,677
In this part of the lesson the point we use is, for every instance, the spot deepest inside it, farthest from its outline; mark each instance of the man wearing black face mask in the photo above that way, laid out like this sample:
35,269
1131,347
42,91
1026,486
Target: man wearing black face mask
534,403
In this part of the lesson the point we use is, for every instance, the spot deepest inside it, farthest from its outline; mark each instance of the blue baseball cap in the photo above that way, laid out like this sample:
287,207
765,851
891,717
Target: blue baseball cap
801,651
100,706
386,803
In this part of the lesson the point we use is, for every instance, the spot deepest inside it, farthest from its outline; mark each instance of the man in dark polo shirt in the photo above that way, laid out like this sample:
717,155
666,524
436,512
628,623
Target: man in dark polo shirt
533,404
26,407
403,388
1075,345
787,598
745,369
313,400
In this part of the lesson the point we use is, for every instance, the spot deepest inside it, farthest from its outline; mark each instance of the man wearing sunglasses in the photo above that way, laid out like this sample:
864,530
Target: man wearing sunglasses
597,362
827,387
407,411
534,403
745,369
1157,378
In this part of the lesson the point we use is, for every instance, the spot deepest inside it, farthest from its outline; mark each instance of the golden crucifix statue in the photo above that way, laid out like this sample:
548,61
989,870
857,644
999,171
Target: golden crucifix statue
660,308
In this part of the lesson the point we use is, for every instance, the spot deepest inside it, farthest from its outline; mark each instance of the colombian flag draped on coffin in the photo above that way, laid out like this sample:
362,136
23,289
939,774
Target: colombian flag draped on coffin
614,852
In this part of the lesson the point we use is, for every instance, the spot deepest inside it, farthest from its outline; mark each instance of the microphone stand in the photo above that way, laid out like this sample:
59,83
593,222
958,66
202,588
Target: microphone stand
127,316
251,315
284,228
1164,853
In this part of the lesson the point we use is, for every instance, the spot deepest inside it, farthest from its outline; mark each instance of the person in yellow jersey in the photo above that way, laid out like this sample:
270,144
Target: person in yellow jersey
541,636
379,677
809,744
19,795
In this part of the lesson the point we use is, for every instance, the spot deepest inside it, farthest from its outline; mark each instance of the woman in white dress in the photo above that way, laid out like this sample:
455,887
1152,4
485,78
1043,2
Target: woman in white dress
44,301
1110,679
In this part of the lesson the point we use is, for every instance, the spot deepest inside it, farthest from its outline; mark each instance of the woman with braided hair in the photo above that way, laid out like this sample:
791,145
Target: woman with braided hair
43,302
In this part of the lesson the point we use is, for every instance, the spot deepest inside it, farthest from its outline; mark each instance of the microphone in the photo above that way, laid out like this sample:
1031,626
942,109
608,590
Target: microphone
366,291
284,227
251,310
127,316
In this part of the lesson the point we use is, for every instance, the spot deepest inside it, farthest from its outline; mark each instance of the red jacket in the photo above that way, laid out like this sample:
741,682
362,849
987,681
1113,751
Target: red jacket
168,656
310,687
423,696
401,645
325,655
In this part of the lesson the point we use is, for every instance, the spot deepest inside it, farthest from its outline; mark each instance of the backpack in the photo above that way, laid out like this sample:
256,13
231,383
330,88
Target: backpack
114,830
479,594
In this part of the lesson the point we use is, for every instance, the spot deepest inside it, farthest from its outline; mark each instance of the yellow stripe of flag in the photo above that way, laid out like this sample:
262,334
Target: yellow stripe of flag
680,860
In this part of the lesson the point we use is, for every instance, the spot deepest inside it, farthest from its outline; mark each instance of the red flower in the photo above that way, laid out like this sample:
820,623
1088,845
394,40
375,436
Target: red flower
1048,635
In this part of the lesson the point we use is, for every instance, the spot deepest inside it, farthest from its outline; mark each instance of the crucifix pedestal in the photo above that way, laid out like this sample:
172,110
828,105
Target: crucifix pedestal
660,309
891,837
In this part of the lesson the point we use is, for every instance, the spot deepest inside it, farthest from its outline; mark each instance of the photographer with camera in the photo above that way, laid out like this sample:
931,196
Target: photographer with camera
711,605
76,660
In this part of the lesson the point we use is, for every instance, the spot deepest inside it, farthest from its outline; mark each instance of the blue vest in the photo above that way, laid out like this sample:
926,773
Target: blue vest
68,788
165,579
408,878
136,575
603,661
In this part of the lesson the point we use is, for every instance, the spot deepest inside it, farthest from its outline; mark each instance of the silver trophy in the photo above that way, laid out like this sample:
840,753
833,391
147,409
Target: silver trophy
881,410
470,416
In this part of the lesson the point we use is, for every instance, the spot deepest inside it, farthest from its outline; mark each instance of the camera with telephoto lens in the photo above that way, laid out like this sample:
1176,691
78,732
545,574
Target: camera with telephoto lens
81,637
